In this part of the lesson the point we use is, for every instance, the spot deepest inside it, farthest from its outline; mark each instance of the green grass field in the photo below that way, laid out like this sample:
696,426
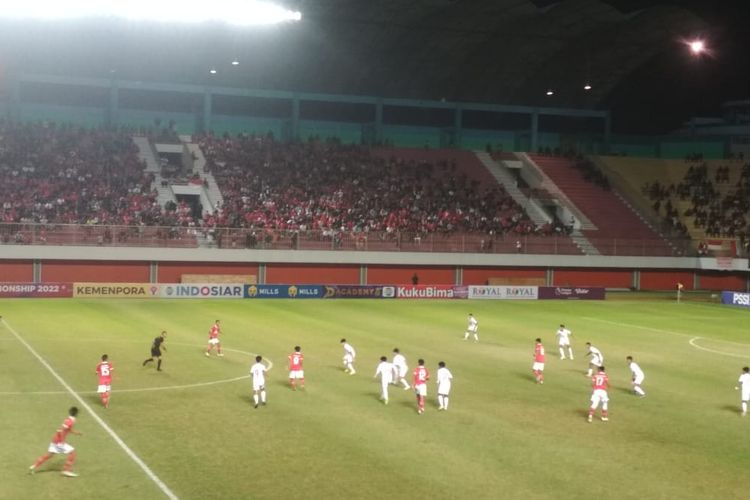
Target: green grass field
503,437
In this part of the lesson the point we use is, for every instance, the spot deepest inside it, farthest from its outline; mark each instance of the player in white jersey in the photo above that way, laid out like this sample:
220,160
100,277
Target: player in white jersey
744,382
472,328
563,341
400,369
349,355
258,371
444,378
385,370
596,361
638,376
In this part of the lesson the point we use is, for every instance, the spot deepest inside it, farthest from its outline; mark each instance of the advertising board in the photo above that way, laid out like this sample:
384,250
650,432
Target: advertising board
36,290
735,299
503,292
571,293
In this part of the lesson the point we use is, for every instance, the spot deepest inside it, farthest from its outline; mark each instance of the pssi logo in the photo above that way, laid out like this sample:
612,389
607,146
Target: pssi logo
741,299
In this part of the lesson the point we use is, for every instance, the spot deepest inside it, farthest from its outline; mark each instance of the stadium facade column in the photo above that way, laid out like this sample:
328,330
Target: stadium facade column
534,131
14,107
363,274
207,99
295,119
379,122
36,271
114,104
458,116
607,132
458,276
153,272
261,273
636,281
549,277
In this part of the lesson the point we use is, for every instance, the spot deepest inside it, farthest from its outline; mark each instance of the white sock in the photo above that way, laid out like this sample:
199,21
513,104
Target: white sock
744,407
476,337
445,402
350,367
562,353
590,372
440,400
263,396
466,335
570,352
255,398
638,390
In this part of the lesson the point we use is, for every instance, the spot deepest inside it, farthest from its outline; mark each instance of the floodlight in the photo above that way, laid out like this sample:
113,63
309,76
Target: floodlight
212,71
238,12
587,86
550,92
697,46
235,62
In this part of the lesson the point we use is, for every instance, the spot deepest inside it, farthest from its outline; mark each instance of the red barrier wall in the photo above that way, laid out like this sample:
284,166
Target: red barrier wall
615,278
718,280
481,275
387,275
17,271
665,279
171,272
60,271
303,274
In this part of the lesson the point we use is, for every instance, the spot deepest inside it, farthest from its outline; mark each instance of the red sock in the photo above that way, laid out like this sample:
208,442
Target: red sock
105,399
69,461
292,382
302,383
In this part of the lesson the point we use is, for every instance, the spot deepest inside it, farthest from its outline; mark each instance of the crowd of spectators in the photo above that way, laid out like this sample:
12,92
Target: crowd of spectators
66,174
720,212
332,188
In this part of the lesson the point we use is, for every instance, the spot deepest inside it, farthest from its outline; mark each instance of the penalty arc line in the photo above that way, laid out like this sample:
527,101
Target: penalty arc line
691,341
151,475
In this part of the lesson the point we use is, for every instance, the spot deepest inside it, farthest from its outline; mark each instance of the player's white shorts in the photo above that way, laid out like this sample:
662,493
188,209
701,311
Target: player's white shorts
599,395
745,394
444,388
103,388
259,384
564,343
638,380
348,358
421,389
537,366
400,372
472,328
60,448
384,383
297,374
596,362
213,341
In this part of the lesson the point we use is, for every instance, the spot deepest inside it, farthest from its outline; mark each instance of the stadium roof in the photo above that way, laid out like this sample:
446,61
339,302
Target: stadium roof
499,51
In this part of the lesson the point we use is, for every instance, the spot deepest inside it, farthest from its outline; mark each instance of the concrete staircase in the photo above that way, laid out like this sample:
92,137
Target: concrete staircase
535,212
199,167
583,243
147,155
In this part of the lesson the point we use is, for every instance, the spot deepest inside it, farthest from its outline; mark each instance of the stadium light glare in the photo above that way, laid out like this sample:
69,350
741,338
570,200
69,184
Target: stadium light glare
235,62
550,92
587,86
697,46
212,71
236,12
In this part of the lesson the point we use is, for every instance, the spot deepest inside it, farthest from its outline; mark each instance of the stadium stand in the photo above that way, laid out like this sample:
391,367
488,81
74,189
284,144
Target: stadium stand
619,229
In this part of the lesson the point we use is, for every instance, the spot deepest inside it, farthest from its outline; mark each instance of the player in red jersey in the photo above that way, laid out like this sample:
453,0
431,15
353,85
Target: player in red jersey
213,339
59,446
295,368
421,376
600,383
538,366
104,370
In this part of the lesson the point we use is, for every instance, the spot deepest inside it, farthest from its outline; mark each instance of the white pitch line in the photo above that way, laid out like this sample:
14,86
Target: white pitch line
162,486
692,343
149,389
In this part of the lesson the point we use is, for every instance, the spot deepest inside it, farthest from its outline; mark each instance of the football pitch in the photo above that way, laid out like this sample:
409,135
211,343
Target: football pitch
194,427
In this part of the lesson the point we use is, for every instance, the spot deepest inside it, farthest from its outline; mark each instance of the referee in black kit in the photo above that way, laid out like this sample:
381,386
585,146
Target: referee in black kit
156,349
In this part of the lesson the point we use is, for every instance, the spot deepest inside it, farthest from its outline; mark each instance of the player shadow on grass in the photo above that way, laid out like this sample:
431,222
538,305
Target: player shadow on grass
731,408
526,376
